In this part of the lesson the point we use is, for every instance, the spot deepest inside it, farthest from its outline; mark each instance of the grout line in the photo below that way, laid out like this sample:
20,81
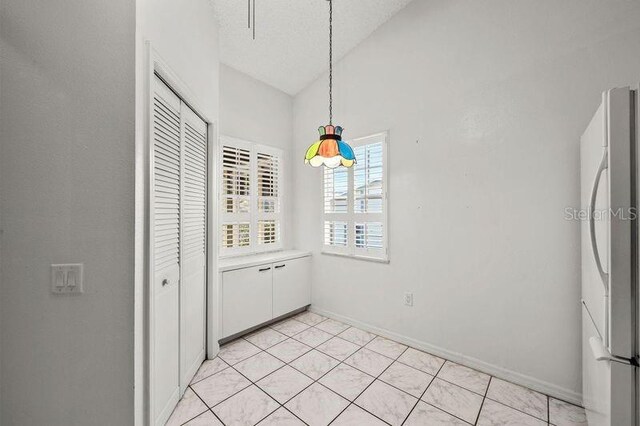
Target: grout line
206,377
516,409
367,387
425,391
484,398
216,416
267,393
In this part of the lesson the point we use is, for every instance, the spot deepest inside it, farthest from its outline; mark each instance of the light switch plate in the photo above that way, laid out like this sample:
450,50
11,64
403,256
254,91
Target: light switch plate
67,278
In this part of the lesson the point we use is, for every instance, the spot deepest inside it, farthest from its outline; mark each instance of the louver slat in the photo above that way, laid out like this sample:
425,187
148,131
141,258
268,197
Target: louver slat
195,185
166,144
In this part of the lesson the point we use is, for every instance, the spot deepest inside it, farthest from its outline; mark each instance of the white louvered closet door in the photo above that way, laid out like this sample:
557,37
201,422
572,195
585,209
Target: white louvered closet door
193,253
165,249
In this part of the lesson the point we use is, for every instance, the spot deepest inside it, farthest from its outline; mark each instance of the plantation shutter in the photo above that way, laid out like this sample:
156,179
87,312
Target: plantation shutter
268,215
336,203
250,197
236,163
369,189
355,202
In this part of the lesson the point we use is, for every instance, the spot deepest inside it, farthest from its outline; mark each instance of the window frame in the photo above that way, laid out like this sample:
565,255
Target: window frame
351,217
253,217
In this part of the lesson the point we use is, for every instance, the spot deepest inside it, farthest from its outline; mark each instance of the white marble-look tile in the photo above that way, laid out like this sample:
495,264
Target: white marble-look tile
317,405
454,400
289,350
266,338
281,417
407,378
427,415
422,361
356,416
386,347
205,419
220,386
290,327
464,376
314,364
357,336
388,403
246,408
284,383
189,407
313,337
258,366
495,414
564,414
522,399
347,381
332,326
237,351
310,318
368,361
338,348
209,368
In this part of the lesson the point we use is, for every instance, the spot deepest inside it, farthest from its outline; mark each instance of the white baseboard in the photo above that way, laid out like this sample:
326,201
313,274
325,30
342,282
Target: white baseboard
493,370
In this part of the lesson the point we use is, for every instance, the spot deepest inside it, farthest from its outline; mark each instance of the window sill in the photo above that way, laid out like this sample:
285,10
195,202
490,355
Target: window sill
358,257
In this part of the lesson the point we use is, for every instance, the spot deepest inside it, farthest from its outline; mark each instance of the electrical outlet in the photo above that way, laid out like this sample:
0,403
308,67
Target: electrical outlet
408,299
67,278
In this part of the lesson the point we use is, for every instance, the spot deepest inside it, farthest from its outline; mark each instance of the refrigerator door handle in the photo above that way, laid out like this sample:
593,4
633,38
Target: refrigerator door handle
592,224
600,353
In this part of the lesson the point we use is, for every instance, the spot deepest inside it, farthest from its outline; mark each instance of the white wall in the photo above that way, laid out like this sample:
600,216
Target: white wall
67,195
485,103
185,36
256,112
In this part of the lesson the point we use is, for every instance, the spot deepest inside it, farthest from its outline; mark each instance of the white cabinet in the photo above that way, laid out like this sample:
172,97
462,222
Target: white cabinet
246,298
291,289
267,289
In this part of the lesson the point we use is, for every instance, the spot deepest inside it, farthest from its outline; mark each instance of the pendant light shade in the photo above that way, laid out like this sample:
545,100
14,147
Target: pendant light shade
330,151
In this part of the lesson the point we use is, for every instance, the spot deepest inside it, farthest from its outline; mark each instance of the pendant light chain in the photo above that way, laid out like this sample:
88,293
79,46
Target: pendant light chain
330,150
251,16
330,62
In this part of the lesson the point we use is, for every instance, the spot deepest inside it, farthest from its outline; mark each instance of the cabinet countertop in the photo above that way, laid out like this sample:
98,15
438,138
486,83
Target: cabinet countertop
240,262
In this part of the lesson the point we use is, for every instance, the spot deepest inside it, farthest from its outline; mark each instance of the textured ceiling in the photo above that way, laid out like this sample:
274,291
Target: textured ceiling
291,46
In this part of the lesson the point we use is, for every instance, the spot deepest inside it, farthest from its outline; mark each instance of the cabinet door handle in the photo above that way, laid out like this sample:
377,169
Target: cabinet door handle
264,269
280,266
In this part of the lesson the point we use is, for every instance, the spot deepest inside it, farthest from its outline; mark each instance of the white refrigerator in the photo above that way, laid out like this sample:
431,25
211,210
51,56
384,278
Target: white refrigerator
609,233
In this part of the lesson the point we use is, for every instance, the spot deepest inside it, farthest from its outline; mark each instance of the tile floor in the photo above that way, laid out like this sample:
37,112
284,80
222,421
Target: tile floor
317,371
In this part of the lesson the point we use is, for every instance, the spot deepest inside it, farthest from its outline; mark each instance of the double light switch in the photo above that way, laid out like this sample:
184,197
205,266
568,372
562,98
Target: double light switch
66,278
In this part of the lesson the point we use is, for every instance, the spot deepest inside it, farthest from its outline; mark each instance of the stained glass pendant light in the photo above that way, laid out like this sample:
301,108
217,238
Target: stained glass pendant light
330,151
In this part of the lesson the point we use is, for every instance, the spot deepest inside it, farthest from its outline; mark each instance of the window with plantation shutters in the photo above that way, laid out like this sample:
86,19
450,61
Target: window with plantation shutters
236,197
355,202
251,177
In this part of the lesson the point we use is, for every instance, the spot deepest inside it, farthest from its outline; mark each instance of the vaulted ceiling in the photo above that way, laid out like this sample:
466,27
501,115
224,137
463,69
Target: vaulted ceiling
291,46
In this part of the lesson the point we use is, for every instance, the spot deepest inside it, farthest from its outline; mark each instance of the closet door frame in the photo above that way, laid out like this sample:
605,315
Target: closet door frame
144,290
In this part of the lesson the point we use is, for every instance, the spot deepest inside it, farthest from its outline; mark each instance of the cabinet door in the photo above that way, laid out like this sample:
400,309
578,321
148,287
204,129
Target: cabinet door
246,298
291,285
